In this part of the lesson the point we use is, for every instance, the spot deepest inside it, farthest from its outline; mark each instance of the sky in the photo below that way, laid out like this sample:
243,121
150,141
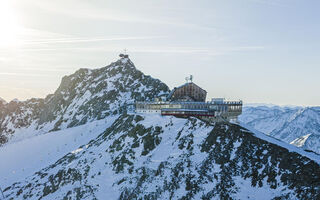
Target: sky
259,51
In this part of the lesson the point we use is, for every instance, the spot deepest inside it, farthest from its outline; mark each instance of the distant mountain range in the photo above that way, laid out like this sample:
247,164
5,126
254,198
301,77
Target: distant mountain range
82,143
299,126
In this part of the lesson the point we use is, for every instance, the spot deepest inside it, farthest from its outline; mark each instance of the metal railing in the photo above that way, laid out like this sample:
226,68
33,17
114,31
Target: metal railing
189,102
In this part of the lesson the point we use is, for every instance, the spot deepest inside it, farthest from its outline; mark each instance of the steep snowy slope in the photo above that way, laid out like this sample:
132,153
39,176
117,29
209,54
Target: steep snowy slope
23,158
154,157
296,125
82,97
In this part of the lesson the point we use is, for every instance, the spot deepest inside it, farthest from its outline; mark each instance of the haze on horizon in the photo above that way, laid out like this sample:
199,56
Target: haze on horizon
255,50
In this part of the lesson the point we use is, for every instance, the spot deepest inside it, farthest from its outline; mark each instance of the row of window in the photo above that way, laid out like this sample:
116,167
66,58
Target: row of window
189,106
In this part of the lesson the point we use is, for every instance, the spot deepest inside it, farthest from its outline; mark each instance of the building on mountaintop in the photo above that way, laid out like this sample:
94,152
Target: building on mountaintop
121,55
190,100
188,92
124,54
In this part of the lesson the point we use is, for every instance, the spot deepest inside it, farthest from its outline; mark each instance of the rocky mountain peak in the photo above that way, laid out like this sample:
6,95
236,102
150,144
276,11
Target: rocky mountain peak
86,95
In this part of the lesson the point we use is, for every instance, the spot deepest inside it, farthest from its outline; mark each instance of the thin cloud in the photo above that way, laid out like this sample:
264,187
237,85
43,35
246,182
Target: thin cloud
24,74
279,3
86,10
80,40
246,48
211,51
169,49
39,69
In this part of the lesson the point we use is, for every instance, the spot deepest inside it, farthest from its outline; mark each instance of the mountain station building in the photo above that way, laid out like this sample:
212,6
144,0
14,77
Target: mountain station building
190,100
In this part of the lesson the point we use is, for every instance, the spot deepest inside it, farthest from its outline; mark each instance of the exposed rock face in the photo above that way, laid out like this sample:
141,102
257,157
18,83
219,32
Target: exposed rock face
296,125
84,96
17,115
154,157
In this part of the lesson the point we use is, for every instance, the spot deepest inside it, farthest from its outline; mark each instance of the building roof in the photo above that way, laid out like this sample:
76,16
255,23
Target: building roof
174,89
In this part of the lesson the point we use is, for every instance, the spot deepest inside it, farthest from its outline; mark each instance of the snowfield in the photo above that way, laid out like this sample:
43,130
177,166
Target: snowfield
26,156
131,156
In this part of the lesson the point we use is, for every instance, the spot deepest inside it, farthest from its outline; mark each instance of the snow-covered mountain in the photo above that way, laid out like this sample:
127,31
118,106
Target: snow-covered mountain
299,126
82,97
154,157
81,143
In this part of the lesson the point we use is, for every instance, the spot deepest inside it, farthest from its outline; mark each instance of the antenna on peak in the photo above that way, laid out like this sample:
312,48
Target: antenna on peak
189,78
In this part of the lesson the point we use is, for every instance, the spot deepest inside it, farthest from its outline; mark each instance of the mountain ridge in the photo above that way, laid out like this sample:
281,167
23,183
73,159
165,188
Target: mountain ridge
83,96
117,154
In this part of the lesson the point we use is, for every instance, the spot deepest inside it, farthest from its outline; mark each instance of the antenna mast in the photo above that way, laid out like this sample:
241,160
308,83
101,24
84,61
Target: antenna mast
189,78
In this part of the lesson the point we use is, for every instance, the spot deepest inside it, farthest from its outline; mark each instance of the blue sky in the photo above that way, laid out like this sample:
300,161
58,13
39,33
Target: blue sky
254,50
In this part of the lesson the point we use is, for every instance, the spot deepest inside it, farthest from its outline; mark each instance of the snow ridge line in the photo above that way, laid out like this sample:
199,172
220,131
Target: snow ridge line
311,155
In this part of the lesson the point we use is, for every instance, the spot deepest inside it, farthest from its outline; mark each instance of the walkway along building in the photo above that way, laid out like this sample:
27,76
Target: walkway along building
190,100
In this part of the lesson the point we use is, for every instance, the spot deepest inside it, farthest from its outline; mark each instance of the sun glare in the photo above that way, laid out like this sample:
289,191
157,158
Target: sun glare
9,27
